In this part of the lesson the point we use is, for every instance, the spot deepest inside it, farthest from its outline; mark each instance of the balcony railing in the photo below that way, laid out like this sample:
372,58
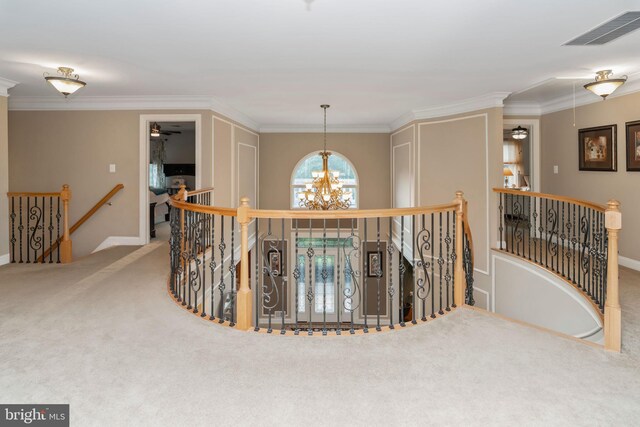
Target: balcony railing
319,272
574,239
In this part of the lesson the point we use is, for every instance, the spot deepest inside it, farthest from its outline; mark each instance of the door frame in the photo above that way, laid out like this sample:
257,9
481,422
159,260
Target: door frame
534,148
143,196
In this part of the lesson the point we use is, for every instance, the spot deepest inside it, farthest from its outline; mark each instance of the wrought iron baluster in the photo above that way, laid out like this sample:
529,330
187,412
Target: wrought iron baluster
447,276
310,291
401,271
257,281
58,216
390,290
42,228
441,263
325,275
296,276
414,265
378,273
338,292
562,237
365,302
501,217
433,266
50,228
453,259
13,229
528,236
28,229
21,227
212,267
232,272
203,280
534,200
221,285
283,278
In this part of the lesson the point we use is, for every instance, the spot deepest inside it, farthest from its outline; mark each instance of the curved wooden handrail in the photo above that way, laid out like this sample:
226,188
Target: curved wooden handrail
84,218
201,191
350,213
585,203
193,207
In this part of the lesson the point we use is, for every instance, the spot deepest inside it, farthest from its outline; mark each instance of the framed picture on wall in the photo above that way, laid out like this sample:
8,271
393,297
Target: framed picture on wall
633,146
375,264
597,149
275,264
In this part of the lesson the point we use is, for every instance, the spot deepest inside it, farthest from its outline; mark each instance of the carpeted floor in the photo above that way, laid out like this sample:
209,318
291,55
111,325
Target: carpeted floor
103,335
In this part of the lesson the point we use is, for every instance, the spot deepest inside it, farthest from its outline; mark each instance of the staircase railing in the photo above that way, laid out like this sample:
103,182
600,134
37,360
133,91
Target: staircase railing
84,219
574,239
36,218
350,271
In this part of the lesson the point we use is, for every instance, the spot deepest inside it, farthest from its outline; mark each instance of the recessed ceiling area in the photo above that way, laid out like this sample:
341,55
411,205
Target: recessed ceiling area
276,61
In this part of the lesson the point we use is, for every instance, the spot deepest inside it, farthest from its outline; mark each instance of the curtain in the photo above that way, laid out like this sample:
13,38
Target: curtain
156,167
512,157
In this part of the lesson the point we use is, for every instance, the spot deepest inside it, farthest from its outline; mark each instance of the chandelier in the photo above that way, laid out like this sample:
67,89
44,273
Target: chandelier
325,192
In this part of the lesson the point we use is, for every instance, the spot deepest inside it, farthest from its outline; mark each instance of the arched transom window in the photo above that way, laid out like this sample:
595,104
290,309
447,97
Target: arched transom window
302,175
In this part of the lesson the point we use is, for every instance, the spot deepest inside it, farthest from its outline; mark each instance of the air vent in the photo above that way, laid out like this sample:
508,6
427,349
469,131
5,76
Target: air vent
609,31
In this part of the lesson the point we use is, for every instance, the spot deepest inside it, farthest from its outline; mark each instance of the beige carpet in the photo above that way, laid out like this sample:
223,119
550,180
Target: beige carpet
107,339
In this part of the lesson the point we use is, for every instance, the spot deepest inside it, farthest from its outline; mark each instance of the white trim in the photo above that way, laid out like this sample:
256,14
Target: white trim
629,263
583,97
5,85
489,100
413,125
393,174
548,277
40,103
143,177
119,241
486,176
284,128
234,198
255,164
486,294
5,259
213,159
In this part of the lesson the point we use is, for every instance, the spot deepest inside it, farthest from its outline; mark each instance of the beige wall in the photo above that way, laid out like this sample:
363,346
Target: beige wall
51,148
560,147
280,152
460,152
4,180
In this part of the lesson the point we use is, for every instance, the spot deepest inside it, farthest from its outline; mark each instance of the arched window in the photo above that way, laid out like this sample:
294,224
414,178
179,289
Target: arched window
313,162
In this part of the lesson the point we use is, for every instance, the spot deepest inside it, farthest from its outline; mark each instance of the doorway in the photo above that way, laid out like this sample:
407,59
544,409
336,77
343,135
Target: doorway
521,156
169,158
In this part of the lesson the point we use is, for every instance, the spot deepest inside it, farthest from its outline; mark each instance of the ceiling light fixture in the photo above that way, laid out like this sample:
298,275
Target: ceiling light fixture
67,83
155,130
325,192
604,85
519,133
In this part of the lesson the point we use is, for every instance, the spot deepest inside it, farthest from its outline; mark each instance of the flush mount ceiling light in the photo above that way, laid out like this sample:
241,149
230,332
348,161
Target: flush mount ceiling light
519,133
155,130
67,83
604,86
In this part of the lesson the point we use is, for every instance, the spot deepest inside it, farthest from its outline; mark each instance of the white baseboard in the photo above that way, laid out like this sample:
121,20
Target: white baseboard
5,259
629,263
119,241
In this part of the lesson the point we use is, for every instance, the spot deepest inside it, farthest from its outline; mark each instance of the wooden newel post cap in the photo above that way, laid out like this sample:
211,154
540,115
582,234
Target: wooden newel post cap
459,194
244,201
66,192
613,216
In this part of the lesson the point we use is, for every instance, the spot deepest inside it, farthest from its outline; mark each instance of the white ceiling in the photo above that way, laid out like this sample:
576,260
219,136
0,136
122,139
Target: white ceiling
275,61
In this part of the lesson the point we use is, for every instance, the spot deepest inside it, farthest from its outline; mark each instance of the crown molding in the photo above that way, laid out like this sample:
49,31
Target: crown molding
522,109
92,103
320,129
5,85
489,100
583,97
